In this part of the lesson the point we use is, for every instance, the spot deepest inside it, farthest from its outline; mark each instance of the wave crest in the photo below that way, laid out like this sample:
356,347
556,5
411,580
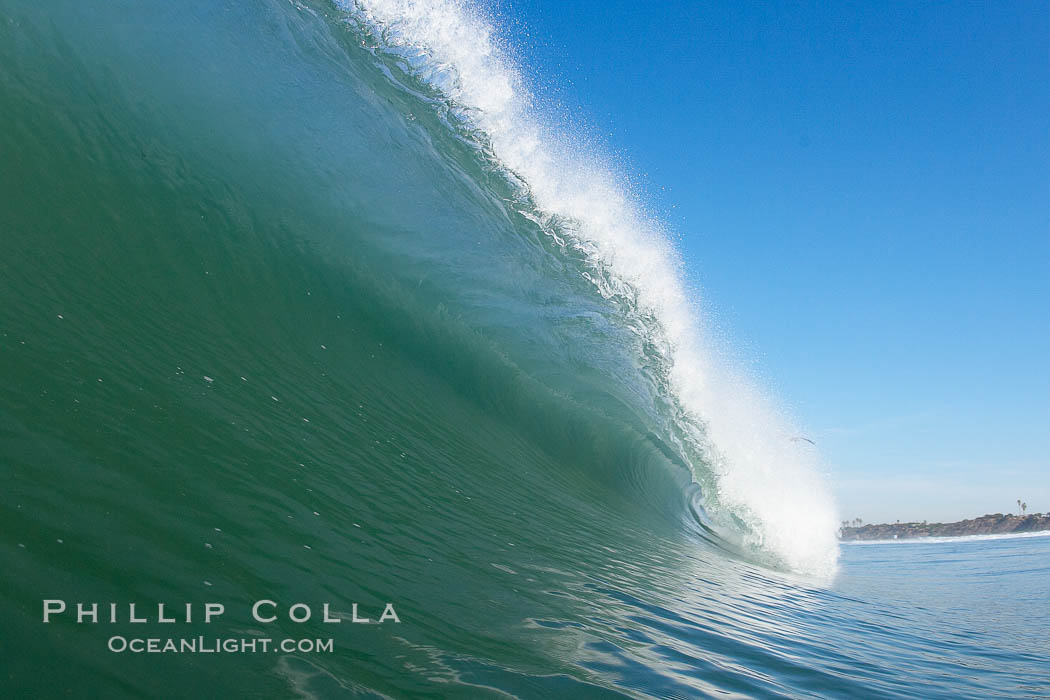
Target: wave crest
762,479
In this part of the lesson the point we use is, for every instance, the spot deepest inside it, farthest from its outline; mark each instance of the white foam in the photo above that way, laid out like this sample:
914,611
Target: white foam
763,476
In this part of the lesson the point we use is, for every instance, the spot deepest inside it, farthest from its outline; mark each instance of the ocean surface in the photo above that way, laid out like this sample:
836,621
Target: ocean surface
313,302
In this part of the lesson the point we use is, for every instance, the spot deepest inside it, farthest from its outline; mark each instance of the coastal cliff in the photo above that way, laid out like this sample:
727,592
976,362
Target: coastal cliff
995,524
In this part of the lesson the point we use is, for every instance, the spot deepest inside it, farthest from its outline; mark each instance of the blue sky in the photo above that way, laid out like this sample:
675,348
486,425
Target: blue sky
862,193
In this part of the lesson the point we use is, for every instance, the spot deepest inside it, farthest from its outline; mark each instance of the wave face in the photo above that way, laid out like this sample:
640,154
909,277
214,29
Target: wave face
730,435
309,301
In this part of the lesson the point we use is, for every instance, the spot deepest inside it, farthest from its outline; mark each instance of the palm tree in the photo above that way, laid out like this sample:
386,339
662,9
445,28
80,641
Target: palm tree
1018,502
1024,507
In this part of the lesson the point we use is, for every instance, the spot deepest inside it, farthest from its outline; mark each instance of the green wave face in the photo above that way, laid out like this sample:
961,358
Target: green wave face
280,320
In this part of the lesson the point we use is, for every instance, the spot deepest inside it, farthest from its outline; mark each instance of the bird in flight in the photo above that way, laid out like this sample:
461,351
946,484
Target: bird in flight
799,438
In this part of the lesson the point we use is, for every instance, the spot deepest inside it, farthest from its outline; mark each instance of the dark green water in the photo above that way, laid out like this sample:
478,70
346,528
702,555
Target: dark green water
274,326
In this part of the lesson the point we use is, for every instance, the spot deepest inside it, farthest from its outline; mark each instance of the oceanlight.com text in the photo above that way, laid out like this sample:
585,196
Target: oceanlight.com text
217,645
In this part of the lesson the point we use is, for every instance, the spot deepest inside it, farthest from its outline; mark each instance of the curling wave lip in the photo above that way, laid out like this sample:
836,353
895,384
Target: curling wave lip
763,480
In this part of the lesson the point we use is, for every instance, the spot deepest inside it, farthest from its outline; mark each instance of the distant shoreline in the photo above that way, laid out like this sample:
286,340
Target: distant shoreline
994,524
962,539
